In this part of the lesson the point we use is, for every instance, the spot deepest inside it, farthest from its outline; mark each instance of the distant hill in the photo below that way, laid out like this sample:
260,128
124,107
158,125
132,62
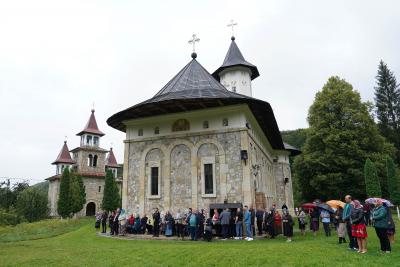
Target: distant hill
295,138
43,186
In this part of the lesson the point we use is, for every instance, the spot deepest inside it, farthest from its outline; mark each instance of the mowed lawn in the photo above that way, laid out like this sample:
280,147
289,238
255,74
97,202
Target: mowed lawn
83,247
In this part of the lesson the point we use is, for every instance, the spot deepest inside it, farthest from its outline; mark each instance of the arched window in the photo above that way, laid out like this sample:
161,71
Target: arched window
90,160
205,125
225,122
95,161
156,130
181,125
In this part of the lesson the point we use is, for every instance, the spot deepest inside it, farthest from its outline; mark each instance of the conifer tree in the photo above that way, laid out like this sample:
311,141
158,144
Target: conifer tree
111,196
77,193
372,185
387,102
393,181
64,200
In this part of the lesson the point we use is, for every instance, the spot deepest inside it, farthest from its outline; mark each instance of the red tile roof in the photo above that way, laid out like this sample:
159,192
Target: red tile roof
93,174
91,126
64,156
111,160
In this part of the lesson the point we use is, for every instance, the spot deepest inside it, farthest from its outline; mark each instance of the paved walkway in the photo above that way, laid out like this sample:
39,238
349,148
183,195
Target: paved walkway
161,237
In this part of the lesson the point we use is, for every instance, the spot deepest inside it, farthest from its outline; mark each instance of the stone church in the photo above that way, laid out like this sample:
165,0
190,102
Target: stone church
203,140
90,161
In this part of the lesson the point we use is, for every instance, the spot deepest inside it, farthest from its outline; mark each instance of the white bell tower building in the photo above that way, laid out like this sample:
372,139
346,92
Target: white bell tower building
236,73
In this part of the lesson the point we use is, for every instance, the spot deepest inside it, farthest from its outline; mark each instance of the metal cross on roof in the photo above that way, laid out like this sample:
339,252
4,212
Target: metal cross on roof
193,41
232,24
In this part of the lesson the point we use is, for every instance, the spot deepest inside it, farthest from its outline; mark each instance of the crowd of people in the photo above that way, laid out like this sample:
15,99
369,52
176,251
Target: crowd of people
197,224
245,223
353,219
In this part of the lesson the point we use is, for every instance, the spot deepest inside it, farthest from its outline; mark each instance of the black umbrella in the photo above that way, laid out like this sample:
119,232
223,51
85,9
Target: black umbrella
325,207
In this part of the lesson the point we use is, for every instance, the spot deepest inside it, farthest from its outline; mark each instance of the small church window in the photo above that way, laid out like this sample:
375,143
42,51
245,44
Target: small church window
95,161
154,181
208,179
157,130
205,125
140,132
90,160
88,139
99,189
181,125
225,122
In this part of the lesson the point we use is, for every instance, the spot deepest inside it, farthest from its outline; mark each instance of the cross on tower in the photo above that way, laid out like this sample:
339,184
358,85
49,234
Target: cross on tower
232,24
193,41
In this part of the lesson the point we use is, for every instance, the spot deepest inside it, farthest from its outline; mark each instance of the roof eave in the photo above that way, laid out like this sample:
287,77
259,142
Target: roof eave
253,69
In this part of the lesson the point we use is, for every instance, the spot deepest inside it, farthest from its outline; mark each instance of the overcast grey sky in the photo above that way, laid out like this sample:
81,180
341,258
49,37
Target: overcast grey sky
58,57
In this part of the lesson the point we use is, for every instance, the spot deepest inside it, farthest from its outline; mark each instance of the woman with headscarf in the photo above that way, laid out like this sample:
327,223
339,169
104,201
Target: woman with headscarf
287,225
341,229
358,228
380,222
302,221
169,221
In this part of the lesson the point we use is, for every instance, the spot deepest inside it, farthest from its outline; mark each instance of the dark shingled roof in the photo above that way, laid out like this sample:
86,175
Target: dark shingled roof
91,126
193,88
235,58
294,151
64,156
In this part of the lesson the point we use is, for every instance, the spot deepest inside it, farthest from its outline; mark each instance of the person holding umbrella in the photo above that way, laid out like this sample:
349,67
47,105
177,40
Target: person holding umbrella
380,222
358,227
326,220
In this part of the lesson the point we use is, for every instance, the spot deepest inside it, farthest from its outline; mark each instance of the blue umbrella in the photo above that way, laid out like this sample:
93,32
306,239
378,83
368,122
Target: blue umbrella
326,207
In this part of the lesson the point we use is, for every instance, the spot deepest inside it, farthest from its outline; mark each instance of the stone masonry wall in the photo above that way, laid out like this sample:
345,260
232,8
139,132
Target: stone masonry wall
180,159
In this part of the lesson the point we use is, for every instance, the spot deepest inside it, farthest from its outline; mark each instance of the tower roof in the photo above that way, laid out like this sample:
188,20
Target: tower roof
193,88
64,156
91,126
235,58
111,160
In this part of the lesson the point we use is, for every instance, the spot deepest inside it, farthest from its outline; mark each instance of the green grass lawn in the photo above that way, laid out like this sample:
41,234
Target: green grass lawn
82,247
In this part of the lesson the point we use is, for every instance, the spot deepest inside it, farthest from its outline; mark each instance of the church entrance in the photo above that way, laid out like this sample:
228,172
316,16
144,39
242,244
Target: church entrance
90,209
260,200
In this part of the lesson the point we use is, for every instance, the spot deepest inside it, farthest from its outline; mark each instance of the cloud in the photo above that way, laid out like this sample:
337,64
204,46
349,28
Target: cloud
58,57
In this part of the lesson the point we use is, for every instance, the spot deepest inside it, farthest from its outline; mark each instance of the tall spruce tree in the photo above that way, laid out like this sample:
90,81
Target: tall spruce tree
111,196
341,136
387,101
393,180
372,185
64,200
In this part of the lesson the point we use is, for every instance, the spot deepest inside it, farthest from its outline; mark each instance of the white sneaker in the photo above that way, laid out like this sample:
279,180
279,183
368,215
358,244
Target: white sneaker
236,238
250,239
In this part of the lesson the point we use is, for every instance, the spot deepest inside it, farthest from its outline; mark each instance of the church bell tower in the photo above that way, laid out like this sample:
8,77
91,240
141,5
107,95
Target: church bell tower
236,73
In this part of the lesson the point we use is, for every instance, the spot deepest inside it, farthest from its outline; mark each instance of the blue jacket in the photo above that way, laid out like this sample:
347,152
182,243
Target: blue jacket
346,212
247,217
380,217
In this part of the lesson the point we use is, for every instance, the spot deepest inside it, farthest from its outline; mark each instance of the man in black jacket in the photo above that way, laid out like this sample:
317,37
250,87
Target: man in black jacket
269,222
